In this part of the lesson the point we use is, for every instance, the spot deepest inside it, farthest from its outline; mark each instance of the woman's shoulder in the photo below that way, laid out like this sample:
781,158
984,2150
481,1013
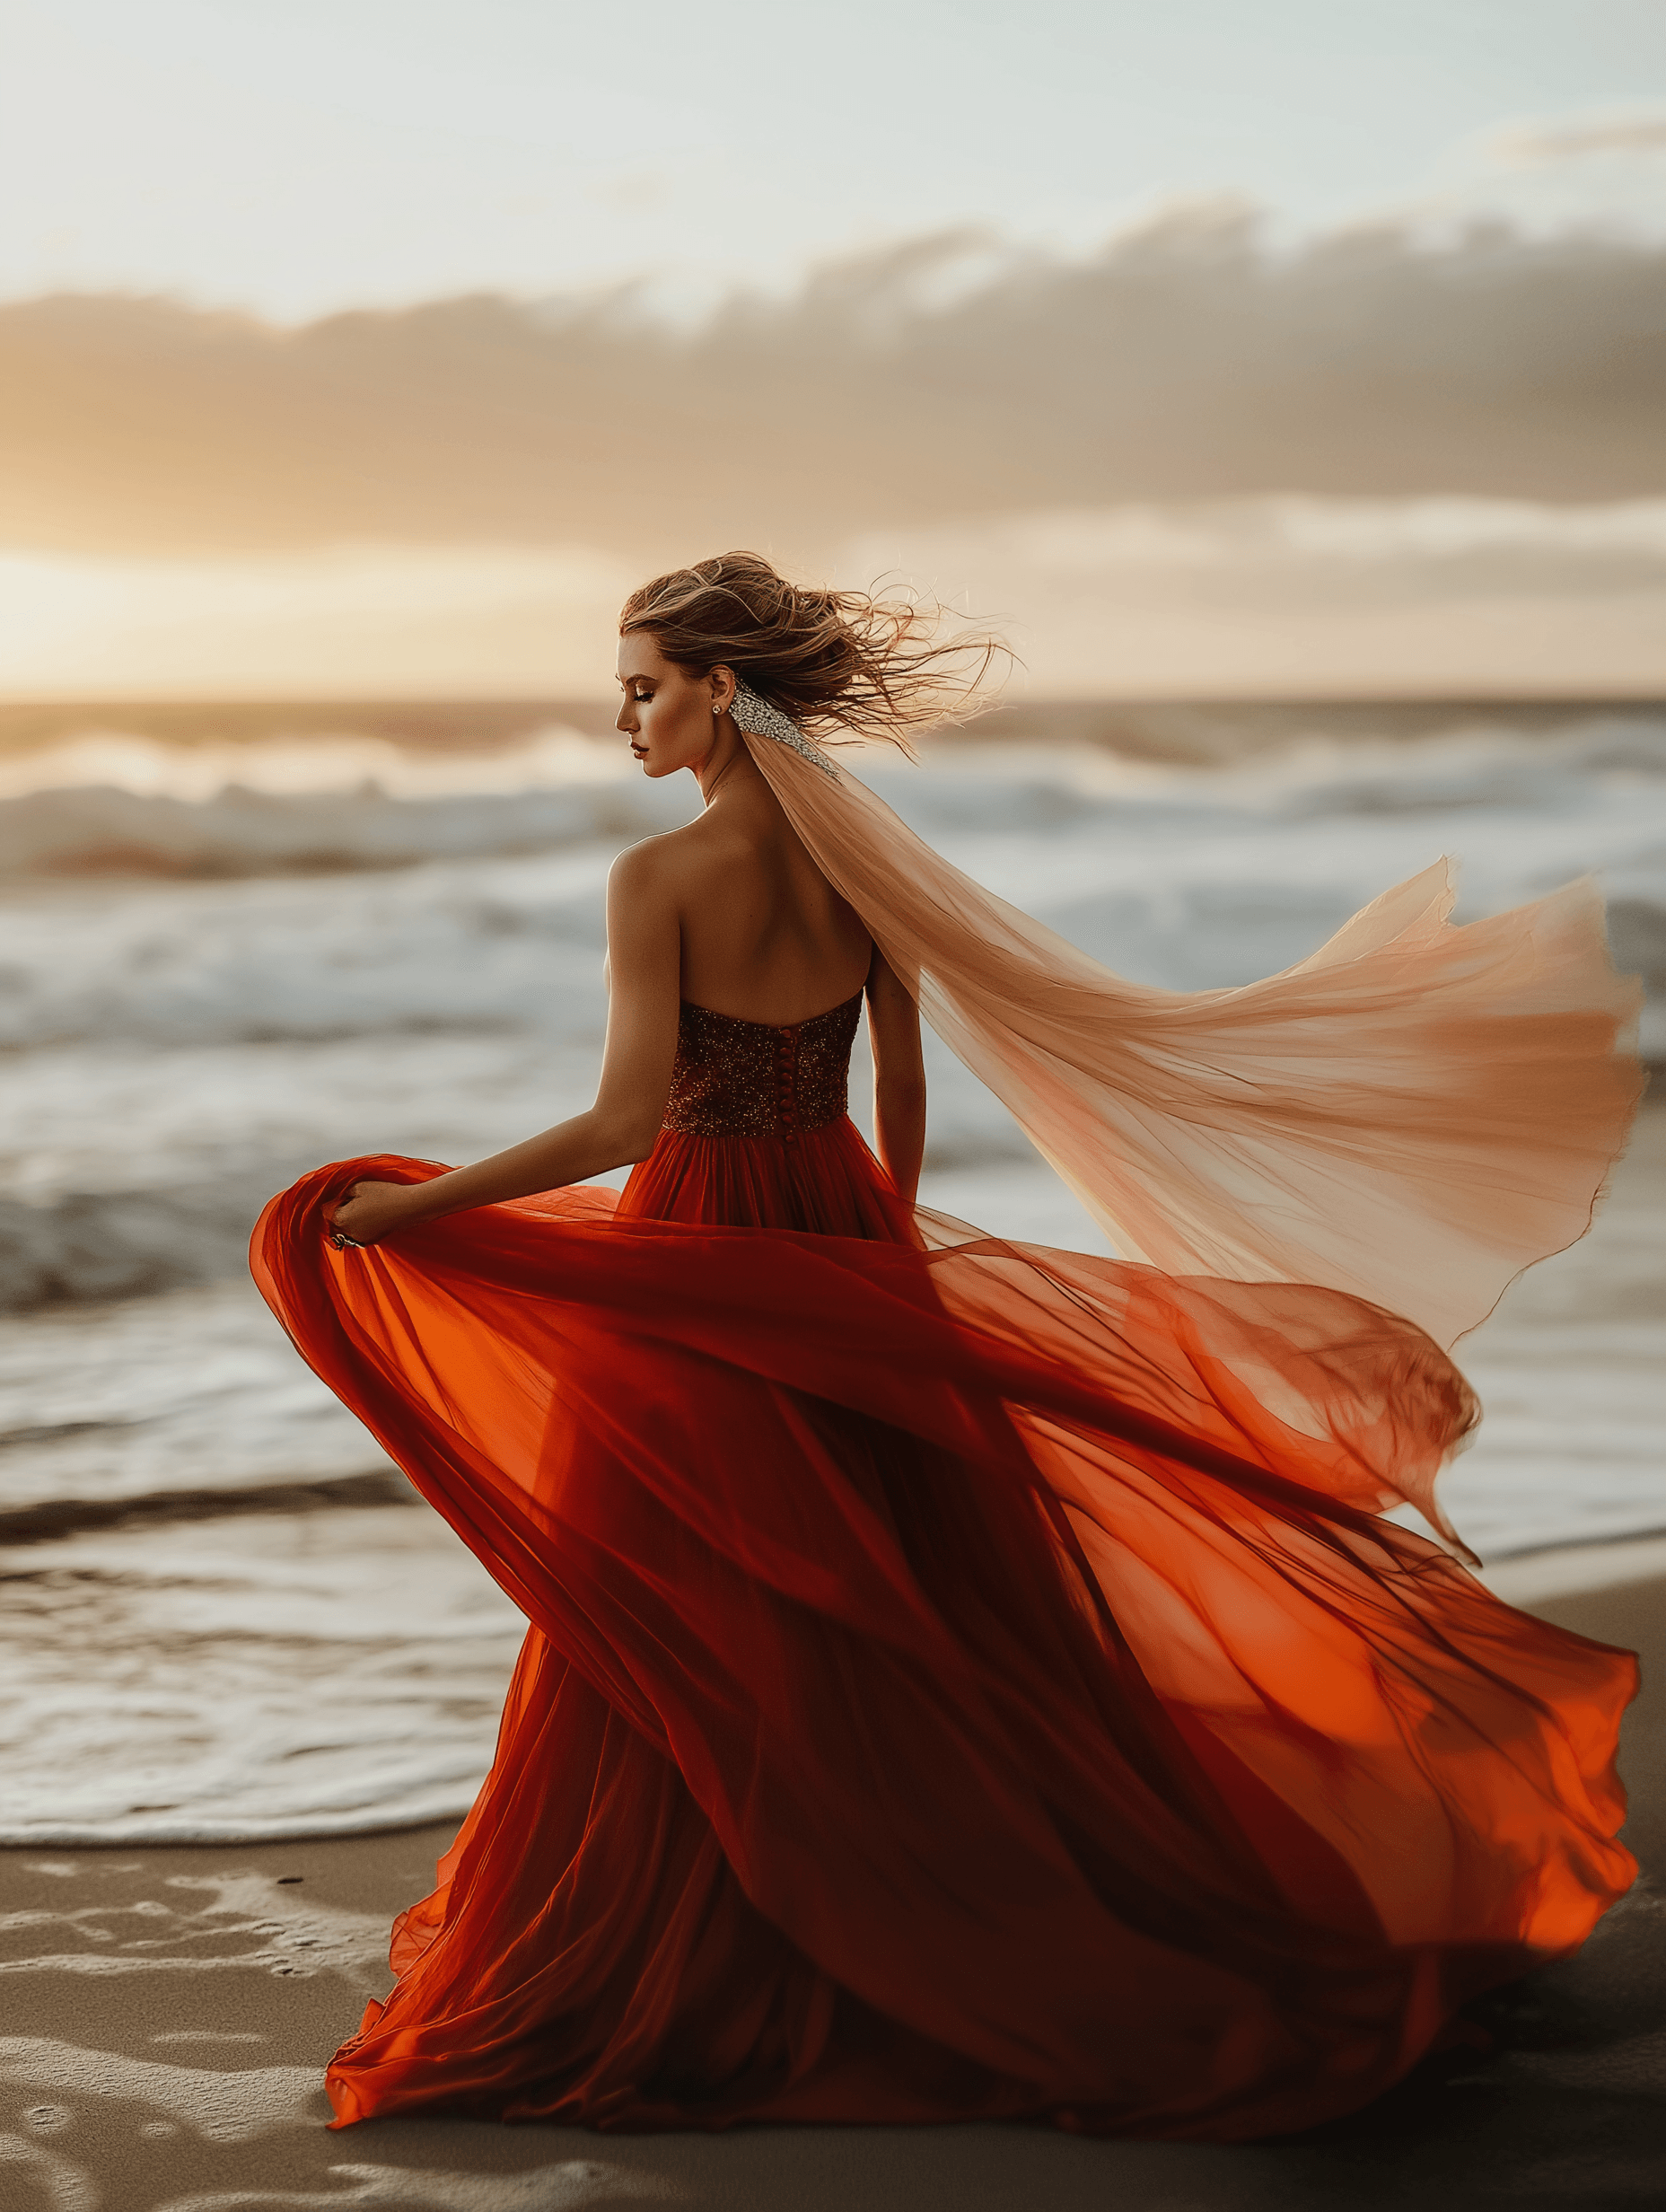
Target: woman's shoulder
644,874
653,857
675,861
707,842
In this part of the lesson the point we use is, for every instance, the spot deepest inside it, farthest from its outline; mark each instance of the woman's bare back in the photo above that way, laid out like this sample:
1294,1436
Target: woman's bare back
764,935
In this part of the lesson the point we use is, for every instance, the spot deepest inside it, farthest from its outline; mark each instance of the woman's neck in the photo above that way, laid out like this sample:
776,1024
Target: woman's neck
727,766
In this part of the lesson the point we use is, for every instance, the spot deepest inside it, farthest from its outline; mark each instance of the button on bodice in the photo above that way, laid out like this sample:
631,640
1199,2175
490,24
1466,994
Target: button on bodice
734,1078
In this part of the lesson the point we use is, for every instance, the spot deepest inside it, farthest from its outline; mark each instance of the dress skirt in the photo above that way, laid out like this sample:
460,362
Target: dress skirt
965,1681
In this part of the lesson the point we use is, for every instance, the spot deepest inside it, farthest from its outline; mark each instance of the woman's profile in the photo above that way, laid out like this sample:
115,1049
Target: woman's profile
965,1680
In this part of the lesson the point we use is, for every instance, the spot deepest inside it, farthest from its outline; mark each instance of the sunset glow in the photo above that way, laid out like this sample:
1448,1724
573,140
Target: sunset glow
363,350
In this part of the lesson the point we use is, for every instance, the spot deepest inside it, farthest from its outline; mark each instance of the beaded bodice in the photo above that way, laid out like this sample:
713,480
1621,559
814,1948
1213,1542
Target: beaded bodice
734,1078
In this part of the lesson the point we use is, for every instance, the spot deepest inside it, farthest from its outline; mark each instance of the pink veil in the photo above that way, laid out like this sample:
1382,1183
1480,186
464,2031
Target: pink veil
1413,1114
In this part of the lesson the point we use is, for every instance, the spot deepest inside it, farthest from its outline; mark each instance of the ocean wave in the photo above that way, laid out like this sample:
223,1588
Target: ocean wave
1637,934
103,1246
177,1405
57,1517
109,832
309,1673
483,946
1183,894
85,1246
1033,769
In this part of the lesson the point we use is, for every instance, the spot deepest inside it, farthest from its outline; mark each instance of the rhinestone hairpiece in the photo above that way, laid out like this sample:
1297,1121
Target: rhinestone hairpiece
763,720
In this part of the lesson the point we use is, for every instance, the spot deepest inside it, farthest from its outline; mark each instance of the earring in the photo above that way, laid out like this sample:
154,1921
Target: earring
716,708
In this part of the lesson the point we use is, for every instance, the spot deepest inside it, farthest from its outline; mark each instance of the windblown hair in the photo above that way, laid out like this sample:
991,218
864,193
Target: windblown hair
832,661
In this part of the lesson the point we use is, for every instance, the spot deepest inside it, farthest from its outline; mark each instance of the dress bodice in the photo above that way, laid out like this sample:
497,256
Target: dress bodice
735,1078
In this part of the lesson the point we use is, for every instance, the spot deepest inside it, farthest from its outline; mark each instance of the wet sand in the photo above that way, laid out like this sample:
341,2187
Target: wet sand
167,2013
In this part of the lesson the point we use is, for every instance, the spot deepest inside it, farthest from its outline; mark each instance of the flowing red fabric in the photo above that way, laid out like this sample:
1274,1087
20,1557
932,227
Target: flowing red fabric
964,1681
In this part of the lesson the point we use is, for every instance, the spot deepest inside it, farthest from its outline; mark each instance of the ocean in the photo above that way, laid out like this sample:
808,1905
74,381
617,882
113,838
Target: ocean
237,942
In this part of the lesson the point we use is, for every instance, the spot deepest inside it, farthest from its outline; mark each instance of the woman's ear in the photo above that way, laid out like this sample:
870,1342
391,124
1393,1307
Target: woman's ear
722,680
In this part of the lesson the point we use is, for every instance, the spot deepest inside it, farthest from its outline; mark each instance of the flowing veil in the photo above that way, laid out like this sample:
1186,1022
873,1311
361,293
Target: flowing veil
1413,1114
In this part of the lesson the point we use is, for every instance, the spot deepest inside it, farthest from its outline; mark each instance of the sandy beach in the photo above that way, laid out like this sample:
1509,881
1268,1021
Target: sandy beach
169,2011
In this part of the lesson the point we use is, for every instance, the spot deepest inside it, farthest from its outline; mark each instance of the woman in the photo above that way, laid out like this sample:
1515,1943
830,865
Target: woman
966,1680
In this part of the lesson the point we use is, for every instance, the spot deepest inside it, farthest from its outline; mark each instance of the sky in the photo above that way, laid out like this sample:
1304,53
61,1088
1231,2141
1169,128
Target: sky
364,347
294,156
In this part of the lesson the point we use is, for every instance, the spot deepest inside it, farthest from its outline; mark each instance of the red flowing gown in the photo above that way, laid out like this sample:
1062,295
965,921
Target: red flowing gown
964,1681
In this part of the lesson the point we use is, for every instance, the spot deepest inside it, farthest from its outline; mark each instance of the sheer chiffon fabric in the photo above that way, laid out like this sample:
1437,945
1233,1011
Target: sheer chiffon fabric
1413,1113
964,1680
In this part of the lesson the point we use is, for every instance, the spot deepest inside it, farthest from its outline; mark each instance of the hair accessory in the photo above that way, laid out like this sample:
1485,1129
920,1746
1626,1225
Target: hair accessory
763,720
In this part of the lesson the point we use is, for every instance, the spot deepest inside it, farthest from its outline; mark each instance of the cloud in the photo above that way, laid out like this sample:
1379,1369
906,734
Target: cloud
944,378
1632,131
1293,597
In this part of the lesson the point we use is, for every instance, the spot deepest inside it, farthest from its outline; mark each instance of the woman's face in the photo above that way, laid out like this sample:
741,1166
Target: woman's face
668,715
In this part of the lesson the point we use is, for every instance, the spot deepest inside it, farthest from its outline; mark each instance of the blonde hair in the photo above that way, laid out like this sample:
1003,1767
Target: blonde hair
833,661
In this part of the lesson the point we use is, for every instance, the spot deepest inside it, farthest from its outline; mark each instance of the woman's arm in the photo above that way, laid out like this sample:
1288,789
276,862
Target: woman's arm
899,1078
644,970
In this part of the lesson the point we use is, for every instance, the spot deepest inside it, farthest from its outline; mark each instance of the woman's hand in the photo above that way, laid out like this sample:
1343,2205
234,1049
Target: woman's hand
370,1211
